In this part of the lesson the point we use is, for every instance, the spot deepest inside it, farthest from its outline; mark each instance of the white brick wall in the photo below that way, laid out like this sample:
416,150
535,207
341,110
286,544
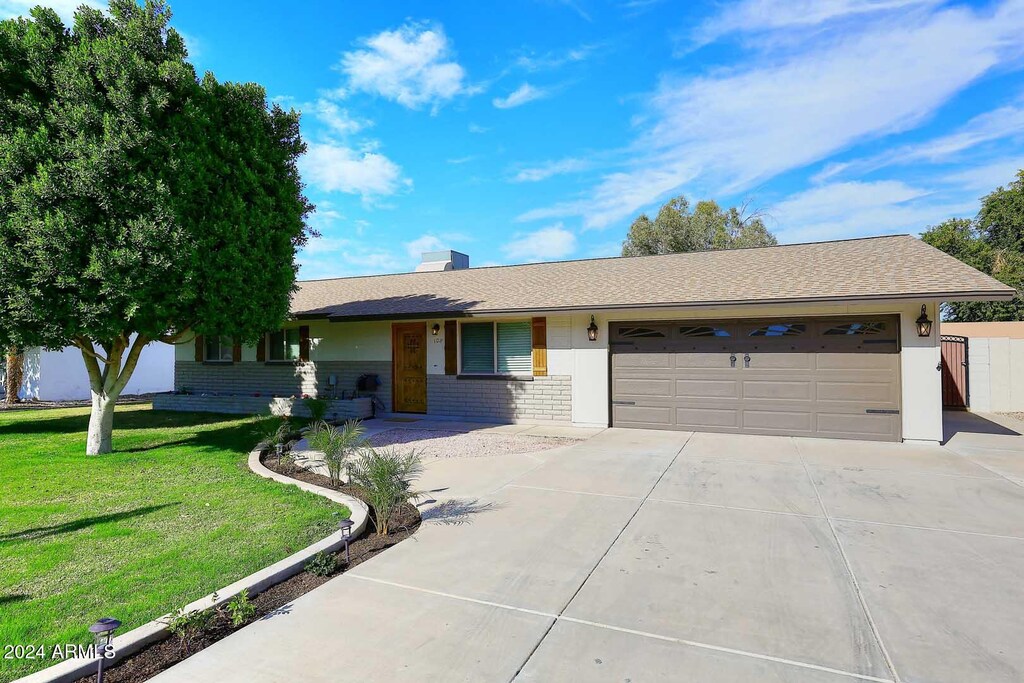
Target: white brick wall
501,400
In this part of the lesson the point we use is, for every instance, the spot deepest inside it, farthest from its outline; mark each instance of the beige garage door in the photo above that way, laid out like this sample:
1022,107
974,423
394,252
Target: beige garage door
834,377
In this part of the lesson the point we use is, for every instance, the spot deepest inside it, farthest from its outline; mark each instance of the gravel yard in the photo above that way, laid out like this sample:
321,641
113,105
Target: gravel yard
436,443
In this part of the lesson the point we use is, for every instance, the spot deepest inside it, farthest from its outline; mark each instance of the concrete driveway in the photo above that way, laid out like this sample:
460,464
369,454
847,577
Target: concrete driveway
664,556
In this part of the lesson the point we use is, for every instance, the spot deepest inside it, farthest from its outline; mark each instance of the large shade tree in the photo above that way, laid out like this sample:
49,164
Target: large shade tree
137,203
678,228
992,242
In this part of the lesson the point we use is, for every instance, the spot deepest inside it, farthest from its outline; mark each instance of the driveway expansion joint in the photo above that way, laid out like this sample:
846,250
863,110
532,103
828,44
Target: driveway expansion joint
849,569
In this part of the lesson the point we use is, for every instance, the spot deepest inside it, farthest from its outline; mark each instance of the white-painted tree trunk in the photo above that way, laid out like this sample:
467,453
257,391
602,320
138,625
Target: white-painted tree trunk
107,383
101,424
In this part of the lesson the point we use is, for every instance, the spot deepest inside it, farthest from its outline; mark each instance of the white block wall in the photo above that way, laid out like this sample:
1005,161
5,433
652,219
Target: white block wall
996,374
61,375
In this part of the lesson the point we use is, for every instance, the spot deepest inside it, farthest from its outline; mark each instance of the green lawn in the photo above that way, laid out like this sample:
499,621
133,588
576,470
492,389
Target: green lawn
172,515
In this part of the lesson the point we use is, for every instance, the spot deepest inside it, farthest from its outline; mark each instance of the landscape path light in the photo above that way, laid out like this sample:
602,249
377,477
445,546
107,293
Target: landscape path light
103,635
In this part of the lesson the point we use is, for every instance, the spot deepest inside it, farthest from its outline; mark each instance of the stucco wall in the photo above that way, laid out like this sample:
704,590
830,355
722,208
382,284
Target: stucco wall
1012,330
61,375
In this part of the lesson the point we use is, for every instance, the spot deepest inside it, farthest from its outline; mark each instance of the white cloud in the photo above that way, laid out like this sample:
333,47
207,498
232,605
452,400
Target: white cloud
337,119
478,129
416,247
411,65
552,242
756,16
434,242
987,177
731,130
65,9
336,168
554,60
339,257
457,161
520,96
855,209
1003,122
576,7
618,195
549,169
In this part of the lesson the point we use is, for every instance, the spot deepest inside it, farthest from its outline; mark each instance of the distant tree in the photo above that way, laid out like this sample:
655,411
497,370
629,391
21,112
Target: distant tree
14,374
677,229
137,204
992,242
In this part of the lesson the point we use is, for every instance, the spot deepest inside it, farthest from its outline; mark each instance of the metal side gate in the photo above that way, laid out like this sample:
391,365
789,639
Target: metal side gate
955,372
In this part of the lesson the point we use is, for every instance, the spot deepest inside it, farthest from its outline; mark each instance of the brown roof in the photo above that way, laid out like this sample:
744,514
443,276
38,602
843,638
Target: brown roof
896,267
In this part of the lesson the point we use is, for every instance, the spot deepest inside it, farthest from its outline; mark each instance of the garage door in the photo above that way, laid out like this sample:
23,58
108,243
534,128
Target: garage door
835,377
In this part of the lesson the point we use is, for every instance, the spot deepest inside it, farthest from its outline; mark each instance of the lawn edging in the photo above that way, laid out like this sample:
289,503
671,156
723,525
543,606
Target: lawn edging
131,642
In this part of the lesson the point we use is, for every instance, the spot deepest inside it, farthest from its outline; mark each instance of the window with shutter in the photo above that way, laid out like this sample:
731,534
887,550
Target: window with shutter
515,348
497,348
478,348
219,349
283,345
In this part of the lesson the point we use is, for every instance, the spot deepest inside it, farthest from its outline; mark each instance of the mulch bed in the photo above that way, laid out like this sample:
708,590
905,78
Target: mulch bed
159,656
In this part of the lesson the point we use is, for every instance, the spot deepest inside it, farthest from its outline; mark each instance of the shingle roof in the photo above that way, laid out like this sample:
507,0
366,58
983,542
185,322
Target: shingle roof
895,267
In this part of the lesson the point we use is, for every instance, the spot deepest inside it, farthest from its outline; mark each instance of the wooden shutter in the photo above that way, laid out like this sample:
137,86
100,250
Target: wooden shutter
304,343
199,348
451,347
540,347
261,349
236,351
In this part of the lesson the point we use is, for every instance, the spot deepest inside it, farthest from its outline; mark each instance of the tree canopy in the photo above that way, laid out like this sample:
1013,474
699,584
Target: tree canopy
677,228
992,242
136,200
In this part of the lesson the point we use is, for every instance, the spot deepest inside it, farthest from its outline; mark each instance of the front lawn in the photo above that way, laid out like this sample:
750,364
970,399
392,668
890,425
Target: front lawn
173,514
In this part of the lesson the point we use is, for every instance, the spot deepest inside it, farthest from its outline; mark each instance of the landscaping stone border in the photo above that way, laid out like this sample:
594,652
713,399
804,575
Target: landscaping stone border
131,642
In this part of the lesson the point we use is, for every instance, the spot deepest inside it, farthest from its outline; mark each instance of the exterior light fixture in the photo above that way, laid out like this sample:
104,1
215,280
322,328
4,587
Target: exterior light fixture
924,325
345,526
103,635
435,329
592,330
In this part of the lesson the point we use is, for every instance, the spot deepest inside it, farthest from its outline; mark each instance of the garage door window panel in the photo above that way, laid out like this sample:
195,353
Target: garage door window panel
779,330
703,331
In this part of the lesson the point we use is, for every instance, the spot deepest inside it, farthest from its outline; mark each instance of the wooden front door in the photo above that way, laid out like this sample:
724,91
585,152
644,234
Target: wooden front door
409,358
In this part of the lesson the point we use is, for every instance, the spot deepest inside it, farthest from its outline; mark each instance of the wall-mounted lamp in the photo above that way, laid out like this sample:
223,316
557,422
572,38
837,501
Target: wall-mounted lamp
592,330
924,325
435,329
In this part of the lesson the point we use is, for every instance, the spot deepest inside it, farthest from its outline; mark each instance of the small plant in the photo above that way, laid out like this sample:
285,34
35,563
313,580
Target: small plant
240,608
189,626
274,432
322,564
317,407
386,476
337,444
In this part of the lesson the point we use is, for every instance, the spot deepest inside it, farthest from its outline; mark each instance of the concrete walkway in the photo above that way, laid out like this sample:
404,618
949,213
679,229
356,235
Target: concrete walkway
666,556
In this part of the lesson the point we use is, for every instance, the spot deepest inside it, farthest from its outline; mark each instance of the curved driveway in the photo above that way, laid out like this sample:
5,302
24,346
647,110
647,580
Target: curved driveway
665,556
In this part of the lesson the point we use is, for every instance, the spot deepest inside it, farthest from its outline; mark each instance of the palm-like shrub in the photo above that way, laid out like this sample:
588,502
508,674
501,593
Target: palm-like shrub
273,431
386,476
317,408
337,444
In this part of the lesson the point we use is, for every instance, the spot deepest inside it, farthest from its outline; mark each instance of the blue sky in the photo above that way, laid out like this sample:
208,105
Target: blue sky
538,129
